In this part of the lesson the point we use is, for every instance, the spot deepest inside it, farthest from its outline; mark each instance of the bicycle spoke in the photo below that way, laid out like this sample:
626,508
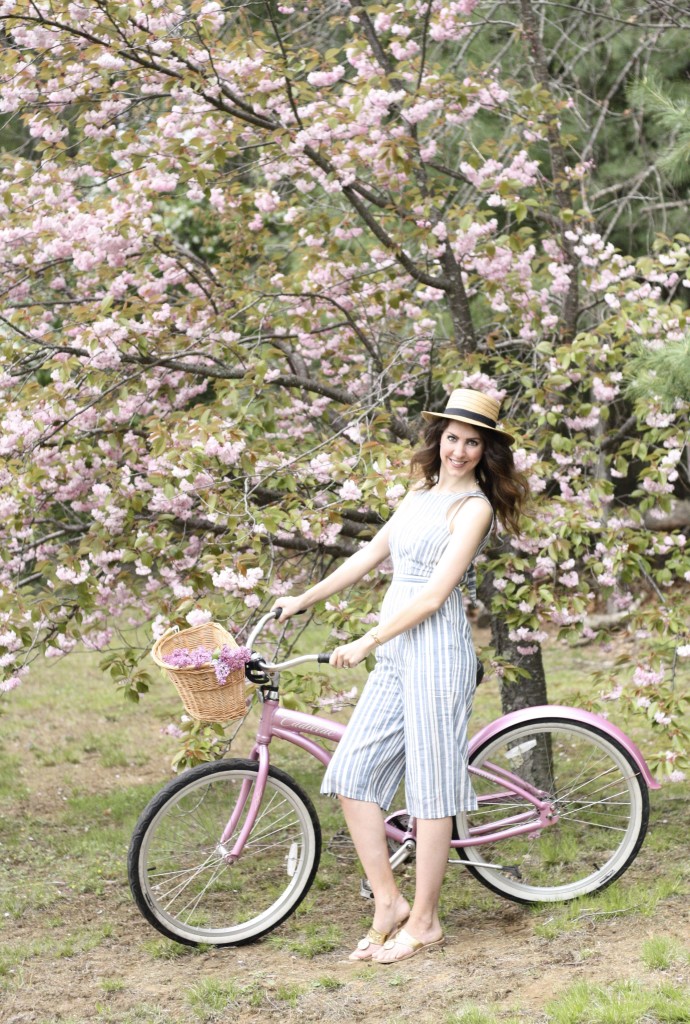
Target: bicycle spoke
596,824
597,800
190,890
183,910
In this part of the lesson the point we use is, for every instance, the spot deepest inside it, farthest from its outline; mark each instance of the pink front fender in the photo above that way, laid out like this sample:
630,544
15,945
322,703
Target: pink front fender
570,715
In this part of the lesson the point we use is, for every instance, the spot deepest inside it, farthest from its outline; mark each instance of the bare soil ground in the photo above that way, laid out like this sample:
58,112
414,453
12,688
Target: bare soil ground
75,956
495,960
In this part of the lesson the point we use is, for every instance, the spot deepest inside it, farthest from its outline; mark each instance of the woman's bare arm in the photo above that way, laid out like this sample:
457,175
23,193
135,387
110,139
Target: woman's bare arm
352,569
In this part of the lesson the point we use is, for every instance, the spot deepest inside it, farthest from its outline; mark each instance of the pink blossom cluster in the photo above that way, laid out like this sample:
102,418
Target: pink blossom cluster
240,584
449,19
646,676
521,170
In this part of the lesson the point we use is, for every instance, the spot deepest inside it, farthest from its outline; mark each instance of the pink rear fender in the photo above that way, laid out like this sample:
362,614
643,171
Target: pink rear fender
570,715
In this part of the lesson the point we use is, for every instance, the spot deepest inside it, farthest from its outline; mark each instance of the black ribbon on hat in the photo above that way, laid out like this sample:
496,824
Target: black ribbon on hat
474,415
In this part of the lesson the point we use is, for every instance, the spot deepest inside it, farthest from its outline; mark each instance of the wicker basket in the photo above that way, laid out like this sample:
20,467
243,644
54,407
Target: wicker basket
201,693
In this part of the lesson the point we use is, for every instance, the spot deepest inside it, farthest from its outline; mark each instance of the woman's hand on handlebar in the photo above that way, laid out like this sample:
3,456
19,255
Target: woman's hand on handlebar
349,655
289,606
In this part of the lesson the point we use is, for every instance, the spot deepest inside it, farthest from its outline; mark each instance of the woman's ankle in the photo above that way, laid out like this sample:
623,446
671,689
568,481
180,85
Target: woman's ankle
390,912
421,923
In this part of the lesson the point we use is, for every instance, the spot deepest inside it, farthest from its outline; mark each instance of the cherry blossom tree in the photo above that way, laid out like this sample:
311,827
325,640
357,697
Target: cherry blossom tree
242,247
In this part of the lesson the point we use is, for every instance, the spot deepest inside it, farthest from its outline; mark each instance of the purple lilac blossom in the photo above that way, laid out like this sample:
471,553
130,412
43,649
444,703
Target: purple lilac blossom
184,658
230,659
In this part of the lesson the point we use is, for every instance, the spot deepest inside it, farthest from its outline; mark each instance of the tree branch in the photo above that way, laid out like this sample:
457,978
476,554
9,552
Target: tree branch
458,302
558,163
291,543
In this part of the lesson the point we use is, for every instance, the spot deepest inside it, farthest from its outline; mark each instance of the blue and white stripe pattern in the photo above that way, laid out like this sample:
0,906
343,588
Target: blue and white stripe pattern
412,717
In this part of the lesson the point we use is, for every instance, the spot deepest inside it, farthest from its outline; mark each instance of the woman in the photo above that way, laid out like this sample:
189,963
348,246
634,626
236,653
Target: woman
412,717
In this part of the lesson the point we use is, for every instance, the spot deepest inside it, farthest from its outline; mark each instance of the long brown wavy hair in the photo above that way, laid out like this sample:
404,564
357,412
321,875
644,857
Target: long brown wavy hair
504,485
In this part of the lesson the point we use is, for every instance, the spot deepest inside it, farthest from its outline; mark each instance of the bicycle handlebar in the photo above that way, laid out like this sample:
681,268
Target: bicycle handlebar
322,659
260,625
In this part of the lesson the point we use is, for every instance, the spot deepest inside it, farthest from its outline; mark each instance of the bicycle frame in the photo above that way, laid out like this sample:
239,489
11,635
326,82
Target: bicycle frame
297,727
227,851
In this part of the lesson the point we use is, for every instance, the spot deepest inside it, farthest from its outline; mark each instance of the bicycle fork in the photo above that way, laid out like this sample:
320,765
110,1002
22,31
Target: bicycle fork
256,787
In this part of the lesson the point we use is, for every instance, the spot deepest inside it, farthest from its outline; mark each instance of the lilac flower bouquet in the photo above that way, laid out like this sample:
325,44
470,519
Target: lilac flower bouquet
225,659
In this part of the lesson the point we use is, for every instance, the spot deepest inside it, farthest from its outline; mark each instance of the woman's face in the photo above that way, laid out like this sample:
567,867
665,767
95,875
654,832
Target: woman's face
460,449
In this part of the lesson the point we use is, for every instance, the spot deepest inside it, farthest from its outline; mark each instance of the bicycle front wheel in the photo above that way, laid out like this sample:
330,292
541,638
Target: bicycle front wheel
597,792
178,872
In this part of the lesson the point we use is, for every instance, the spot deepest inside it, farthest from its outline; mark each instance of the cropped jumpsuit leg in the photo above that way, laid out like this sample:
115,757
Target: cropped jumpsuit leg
412,718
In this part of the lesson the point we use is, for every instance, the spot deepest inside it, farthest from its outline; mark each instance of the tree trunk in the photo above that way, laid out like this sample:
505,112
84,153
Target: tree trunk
530,689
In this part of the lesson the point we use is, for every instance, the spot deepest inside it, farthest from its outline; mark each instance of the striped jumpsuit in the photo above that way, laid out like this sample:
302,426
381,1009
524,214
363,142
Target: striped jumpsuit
412,717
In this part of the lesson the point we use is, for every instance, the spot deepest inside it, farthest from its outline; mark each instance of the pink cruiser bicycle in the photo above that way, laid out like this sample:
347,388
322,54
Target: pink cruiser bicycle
227,851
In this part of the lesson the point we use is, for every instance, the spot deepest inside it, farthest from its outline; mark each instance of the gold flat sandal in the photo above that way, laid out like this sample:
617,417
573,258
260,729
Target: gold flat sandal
410,944
374,937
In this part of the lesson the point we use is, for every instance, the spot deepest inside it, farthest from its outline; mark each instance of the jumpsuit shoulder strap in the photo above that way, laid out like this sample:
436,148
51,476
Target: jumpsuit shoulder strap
462,500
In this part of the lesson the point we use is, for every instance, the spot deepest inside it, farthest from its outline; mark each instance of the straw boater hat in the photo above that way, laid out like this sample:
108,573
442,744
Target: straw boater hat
473,407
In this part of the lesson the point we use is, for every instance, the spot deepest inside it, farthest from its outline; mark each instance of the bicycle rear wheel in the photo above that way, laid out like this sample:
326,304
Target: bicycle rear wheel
601,800
178,874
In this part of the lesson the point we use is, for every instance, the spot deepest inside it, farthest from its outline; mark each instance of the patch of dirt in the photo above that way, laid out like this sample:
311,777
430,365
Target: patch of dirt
495,960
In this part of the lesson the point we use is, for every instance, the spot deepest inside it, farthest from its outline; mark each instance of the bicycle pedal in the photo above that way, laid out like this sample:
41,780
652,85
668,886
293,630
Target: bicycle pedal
365,890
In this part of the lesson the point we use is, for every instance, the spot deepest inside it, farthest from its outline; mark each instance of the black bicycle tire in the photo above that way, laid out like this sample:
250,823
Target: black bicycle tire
146,905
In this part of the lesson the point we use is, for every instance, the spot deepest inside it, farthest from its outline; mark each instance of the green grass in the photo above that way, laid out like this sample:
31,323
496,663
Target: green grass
459,894
214,996
669,806
311,940
65,754
581,956
141,1014
472,1015
165,949
111,751
14,955
329,984
15,901
107,810
52,946
87,842
661,952
13,789
82,941
288,993
624,898
110,985
621,1003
